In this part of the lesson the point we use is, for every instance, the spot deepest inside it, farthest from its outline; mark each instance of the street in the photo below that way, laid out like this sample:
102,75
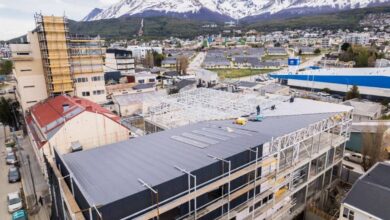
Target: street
196,63
5,187
36,212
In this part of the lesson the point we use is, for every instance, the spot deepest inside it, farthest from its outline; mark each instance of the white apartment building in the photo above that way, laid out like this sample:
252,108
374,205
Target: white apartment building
120,60
28,71
357,38
140,52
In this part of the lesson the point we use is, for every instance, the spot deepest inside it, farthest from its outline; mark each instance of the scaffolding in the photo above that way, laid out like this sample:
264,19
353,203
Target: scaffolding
302,147
53,35
207,104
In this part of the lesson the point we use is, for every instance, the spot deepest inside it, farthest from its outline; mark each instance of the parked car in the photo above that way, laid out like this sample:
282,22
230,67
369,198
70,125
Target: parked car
20,215
3,92
14,202
353,157
11,159
13,175
11,91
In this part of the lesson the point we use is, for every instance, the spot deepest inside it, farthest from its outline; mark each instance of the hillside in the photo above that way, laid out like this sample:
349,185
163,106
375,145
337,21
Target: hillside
154,27
158,27
162,27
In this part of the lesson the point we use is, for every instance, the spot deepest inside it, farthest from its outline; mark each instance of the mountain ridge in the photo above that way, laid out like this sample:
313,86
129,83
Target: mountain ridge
224,9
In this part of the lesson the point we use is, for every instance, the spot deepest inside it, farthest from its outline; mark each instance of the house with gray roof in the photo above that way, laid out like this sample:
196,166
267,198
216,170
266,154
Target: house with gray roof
370,195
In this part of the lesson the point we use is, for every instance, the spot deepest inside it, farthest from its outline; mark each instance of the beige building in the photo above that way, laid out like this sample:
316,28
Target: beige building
28,71
71,124
53,63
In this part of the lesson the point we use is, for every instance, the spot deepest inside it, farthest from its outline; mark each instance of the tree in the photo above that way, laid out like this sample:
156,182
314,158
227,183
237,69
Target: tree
6,67
157,58
345,46
374,145
300,52
182,64
8,113
326,90
149,60
353,93
317,51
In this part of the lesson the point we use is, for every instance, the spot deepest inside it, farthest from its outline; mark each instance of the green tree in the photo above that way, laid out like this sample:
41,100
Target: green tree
326,90
8,113
6,67
317,51
345,46
158,58
353,93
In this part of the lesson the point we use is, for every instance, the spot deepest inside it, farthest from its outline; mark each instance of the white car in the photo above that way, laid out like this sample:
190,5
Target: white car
14,202
354,157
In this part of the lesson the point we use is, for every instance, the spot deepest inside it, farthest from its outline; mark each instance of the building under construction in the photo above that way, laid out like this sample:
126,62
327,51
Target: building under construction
71,64
266,169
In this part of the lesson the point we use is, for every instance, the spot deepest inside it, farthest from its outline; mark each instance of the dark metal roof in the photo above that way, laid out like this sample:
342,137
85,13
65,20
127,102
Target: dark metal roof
109,173
144,86
184,82
371,192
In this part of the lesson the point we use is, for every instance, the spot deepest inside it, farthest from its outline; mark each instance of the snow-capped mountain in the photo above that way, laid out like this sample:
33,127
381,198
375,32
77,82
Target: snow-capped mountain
236,9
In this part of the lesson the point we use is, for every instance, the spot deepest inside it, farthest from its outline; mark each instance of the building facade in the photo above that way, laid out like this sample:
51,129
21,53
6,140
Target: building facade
29,72
60,123
52,63
214,169
121,60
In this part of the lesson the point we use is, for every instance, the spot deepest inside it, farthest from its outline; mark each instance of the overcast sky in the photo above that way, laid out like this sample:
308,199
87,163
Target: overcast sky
17,16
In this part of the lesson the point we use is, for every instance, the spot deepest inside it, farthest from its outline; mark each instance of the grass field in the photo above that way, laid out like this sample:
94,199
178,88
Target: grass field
237,73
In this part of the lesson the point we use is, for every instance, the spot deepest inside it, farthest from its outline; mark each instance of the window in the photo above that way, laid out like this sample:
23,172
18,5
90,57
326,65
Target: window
141,81
350,215
96,78
85,94
25,70
28,87
152,80
29,102
82,80
23,54
98,92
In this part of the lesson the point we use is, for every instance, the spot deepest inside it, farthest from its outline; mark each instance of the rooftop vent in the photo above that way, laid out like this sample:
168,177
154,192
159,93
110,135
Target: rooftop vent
65,107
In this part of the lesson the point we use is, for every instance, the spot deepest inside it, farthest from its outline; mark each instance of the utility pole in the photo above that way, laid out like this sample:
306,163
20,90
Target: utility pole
32,179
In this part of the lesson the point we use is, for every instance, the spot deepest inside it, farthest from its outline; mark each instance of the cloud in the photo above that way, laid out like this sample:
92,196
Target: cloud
18,16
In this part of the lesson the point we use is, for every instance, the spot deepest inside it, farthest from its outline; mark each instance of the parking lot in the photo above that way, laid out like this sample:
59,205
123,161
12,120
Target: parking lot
5,187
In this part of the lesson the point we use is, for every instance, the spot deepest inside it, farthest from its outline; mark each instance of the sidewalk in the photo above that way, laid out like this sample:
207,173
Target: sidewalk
34,179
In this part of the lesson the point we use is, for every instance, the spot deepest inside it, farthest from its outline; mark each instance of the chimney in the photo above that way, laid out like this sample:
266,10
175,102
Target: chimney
65,107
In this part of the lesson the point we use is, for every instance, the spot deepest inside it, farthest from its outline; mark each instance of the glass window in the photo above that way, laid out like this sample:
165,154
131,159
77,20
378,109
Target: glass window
85,93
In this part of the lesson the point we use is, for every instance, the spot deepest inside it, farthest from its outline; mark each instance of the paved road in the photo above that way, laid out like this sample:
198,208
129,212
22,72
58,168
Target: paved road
5,187
196,63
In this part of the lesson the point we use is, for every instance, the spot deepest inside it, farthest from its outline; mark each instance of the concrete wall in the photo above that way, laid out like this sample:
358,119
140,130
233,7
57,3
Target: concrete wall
29,73
91,86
